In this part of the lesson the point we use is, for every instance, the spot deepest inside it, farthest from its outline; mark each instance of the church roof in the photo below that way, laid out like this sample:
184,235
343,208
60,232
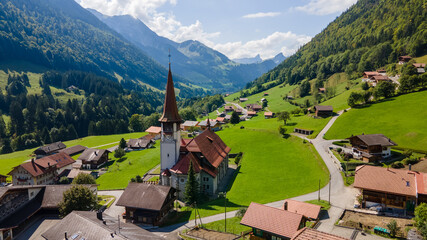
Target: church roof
170,110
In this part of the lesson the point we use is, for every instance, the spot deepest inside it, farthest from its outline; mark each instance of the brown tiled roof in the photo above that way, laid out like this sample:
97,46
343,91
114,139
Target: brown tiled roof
154,129
228,107
183,165
268,114
323,108
144,196
405,57
92,154
251,113
220,119
140,142
53,147
40,166
190,123
371,73
422,183
387,180
306,209
380,78
73,150
419,65
313,234
74,172
375,139
86,225
53,195
273,220
166,172
170,110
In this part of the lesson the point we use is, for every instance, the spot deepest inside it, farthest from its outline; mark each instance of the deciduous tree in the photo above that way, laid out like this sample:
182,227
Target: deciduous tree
78,198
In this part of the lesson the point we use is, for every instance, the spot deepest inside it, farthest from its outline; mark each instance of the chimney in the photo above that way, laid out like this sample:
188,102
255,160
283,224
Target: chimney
99,215
66,237
410,167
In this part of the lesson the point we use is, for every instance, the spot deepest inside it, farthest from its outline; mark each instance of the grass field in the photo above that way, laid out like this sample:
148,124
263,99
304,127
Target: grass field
403,119
8,161
273,166
135,163
233,226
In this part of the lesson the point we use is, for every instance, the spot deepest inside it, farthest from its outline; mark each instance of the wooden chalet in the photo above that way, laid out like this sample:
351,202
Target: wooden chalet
93,158
404,59
371,147
243,99
253,107
2,179
268,115
189,124
214,125
251,113
392,188
321,90
303,131
239,111
367,75
147,203
308,210
323,111
144,142
74,150
49,149
154,131
421,67
375,80
271,223
229,108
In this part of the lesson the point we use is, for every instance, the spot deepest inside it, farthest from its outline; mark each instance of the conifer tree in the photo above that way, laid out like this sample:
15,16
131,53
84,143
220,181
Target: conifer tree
122,143
191,193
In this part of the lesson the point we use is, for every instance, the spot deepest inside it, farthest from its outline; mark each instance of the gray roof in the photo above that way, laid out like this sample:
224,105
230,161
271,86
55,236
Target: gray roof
190,123
144,196
323,108
204,123
86,225
139,142
92,154
376,139
50,148
73,150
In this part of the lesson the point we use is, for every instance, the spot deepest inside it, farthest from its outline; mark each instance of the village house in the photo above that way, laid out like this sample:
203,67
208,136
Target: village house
265,94
272,223
49,149
187,125
404,59
253,107
398,190
229,108
93,225
303,131
147,203
220,120
2,179
375,80
368,75
321,90
212,123
227,118
323,111
20,206
268,115
420,67
238,111
154,132
93,158
41,171
74,150
144,142
381,71
371,147
308,210
251,113
243,99
207,152
313,234
75,171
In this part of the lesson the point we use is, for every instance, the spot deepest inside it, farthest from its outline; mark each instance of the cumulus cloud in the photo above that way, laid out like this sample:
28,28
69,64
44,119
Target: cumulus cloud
325,7
287,43
261,15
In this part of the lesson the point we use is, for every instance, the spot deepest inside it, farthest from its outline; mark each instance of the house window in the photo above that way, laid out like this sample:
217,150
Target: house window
257,232
182,180
207,186
275,238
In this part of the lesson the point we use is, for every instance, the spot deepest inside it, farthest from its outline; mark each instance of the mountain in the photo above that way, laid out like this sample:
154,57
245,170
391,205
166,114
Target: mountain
256,59
369,35
279,58
193,60
61,35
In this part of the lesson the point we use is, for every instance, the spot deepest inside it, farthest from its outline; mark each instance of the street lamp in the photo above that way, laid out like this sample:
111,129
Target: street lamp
224,194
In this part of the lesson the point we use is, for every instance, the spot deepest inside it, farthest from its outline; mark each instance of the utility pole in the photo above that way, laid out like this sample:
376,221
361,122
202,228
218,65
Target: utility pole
318,198
329,189
224,194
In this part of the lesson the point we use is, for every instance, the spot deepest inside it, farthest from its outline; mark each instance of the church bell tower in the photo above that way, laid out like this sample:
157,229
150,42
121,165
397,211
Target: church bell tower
170,122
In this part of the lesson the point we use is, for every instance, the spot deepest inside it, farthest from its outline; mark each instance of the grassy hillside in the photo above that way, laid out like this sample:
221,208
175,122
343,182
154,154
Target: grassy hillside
8,161
403,119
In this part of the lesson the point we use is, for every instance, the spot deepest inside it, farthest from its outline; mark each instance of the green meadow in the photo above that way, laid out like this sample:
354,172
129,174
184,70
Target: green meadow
402,118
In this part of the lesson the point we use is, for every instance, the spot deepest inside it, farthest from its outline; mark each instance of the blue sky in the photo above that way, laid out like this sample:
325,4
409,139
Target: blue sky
237,28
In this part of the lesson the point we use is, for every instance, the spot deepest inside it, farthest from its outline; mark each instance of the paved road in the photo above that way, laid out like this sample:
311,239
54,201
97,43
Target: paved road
244,111
114,210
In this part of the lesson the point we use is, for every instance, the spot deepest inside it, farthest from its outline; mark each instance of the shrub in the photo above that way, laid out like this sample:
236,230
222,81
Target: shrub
241,212
397,165
407,152
339,150
392,226
282,130
410,160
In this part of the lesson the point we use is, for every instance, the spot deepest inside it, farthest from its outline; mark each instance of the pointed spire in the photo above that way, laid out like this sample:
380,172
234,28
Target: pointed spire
209,124
170,109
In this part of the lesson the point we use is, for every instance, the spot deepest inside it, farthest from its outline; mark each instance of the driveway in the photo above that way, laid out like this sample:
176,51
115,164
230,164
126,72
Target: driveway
114,210
244,111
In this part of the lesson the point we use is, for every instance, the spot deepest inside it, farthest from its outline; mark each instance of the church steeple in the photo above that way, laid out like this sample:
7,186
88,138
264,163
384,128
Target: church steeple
170,110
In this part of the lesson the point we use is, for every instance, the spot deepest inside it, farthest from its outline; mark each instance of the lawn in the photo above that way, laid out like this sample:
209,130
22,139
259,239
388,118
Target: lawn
233,226
402,119
272,167
8,161
323,203
135,163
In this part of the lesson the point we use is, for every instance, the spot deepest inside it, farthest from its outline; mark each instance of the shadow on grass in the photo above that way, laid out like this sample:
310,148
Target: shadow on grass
121,159
235,173
367,105
291,124
109,163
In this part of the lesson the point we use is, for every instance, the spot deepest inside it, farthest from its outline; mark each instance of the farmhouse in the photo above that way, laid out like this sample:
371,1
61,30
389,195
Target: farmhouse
95,226
392,188
321,90
49,149
212,123
420,67
253,107
220,120
21,205
272,223
323,111
228,108
243,99
251,113
371,147
93,158
41,171
313,234
303,131
268,115
367,75
140,143
308,210
154,132
2,179
189,124
404,59
147,203
238,111
207,152
375,80
74,150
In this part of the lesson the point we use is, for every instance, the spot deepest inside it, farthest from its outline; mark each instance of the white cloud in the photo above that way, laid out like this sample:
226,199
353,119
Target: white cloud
261,15
287,43
325,7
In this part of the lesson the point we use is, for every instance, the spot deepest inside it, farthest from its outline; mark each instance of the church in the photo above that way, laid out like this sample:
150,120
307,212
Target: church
207,152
